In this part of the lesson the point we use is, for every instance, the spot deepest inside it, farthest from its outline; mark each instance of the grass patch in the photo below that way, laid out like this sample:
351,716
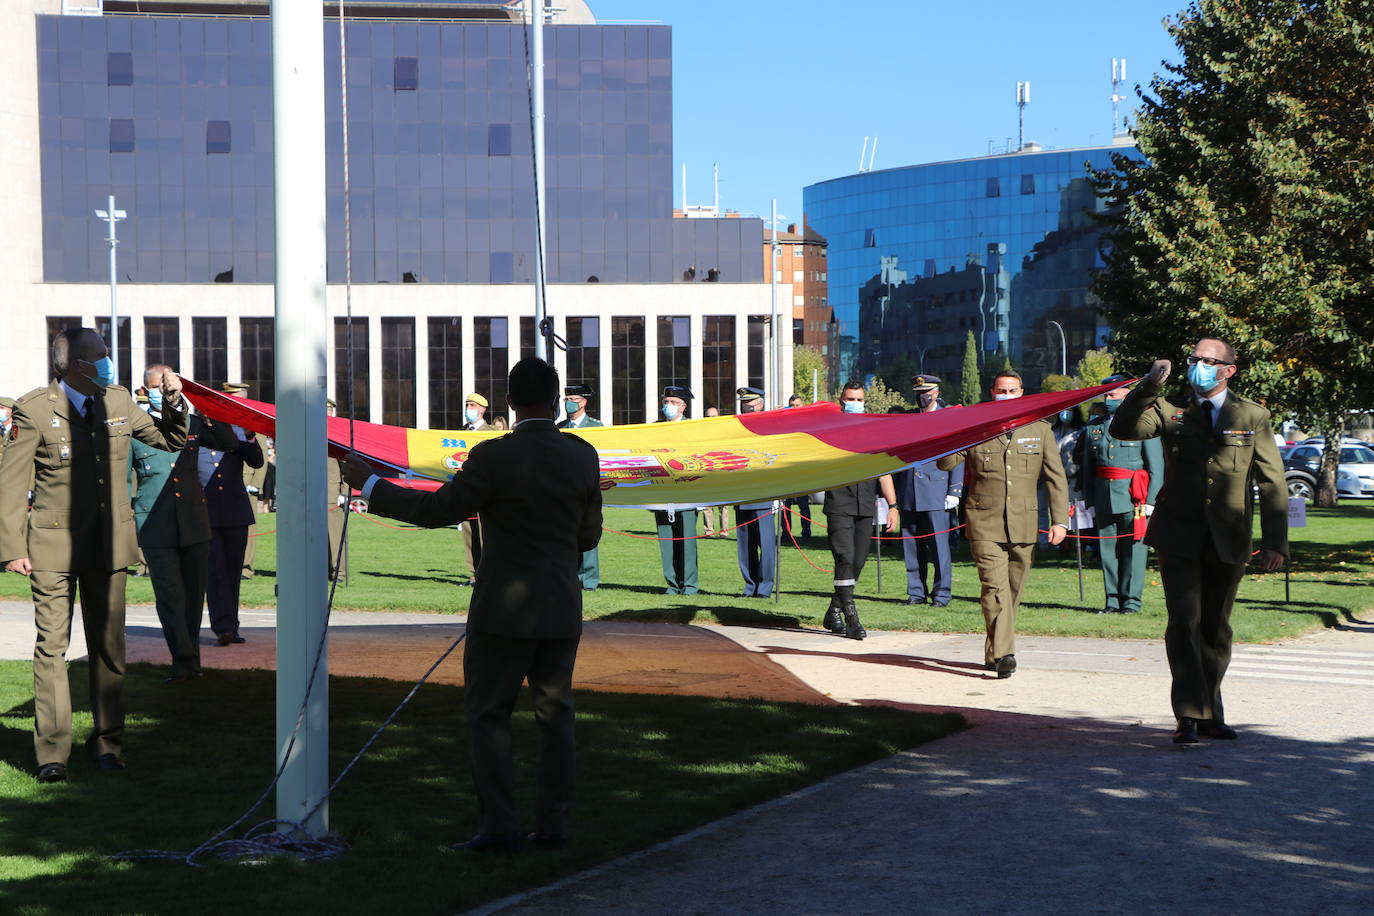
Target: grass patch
650,767
1333,563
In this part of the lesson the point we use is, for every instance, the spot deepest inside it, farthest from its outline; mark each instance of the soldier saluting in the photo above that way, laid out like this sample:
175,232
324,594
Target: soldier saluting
1216,447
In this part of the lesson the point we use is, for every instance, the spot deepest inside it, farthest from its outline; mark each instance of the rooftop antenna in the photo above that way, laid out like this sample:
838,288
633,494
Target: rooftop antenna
872,152
863,154
1022,100
1118,77
715,173
684,189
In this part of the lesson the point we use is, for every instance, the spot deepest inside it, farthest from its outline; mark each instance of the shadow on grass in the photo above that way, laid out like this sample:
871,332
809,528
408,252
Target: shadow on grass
649,768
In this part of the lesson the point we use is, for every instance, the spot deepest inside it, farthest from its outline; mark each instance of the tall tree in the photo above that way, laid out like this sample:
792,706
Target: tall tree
1250,216
970,387
804,361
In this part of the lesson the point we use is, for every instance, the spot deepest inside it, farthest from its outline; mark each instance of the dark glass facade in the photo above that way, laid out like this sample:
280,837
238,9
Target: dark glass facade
174,117
584,352
398,371
446,373
627,371
210,352
357,407
718,364
675,351
161,342
920,256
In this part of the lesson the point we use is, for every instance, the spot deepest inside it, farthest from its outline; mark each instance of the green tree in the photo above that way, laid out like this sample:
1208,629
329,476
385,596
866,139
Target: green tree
1250,216
879,398
970,387
1057,382
898,375
1093,368
804,360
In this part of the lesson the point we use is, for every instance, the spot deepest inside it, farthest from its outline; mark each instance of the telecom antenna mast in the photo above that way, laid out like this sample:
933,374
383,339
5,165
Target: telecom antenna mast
1118,77
1022,100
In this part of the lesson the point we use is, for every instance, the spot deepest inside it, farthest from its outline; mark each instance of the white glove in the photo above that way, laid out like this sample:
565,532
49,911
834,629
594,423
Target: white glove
252,489
951,502
1148,510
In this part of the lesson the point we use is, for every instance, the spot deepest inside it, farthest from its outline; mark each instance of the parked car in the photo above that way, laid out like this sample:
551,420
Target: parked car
1354,474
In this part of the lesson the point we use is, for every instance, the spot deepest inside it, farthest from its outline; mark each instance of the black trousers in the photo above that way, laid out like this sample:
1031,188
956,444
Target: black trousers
849,537
1199,592
224,577
494,667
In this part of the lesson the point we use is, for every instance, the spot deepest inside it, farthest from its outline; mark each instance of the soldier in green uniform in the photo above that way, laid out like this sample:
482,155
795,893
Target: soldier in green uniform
1120,479
1000,515
6,423
1217,448
575,398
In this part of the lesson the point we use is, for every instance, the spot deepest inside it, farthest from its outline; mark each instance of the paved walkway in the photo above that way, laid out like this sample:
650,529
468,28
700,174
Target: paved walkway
1065,795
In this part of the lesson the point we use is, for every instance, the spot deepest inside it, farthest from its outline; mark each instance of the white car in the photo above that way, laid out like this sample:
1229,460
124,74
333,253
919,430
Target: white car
1354,475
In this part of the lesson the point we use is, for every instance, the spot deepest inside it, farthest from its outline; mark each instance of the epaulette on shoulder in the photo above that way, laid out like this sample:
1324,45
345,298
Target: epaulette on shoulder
31,396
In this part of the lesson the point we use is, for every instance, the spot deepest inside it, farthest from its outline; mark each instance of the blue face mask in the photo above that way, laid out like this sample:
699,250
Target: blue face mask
1202,377
853,406
1111,405
571,407
155,398
104,372
669,411
472,416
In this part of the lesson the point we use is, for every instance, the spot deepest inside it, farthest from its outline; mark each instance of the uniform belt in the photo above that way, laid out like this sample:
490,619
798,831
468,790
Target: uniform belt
1140,489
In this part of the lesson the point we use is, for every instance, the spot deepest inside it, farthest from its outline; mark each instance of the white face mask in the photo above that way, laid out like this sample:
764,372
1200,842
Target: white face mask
853,406
472,416
1005,397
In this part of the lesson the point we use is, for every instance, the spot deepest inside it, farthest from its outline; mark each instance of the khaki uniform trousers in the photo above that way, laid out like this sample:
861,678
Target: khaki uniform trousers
1002,570
102,617
1199,592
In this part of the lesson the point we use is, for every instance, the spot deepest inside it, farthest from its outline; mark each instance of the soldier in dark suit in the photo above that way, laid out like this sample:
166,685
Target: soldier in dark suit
677,530
1000,517
756,538
849,528
1217,448
575,398
174,529
925,496
70,447
1120,480
231,515
537,492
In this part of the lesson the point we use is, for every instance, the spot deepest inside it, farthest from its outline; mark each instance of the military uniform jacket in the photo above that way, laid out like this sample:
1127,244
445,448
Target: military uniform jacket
857,499
169,503
1003,474
537,492
81,518
587,423
225,495
1102,449
1209,473
924,488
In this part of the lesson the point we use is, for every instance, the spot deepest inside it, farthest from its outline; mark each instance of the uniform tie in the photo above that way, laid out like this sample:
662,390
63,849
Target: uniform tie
88,410
1207,409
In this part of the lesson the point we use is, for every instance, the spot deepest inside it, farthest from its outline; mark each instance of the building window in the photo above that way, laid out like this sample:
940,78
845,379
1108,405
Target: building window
162,343
217,137
258,368
718,363
584,356
121,135
502,265
870,238
119,68
398,371
627,370
994,187
358,370
126,350
491,362
405,73
758,341
675,351
798,276
526,337
1028,184
446,373
798,332
210,351
498,139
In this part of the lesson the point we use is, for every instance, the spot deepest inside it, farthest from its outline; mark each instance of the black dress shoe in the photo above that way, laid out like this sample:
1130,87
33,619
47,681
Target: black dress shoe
1186,731
236,639
938,603
224,639
110,762
1217,731
498,843
1006,666
547,840
52,772
910,600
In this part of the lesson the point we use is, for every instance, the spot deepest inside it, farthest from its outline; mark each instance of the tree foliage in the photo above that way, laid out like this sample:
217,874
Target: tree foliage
804,360
1094,367
1251,215
970,385
880,398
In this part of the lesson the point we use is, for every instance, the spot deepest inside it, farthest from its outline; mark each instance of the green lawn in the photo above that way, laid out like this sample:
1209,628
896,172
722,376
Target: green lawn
649,768
1333,563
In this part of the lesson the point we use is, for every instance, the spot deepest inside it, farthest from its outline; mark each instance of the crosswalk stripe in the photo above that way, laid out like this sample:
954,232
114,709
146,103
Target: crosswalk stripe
1309,653
1269,675
1243,665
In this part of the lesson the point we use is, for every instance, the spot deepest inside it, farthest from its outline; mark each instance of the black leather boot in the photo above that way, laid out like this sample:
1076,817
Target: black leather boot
834,618
853,628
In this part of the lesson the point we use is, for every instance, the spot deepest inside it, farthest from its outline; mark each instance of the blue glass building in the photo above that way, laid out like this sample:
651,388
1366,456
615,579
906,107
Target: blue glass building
920,256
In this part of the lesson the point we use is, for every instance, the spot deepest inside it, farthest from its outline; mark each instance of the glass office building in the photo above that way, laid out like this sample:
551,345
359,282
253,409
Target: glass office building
1000,246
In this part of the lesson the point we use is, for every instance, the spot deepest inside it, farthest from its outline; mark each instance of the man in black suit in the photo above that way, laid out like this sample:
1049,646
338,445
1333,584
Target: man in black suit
537,493
231,515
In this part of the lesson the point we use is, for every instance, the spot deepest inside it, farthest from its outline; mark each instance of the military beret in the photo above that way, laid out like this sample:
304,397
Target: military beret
330,403
6,402
476,399
1117,378
677,391
582,391
234,387
748,393
925,382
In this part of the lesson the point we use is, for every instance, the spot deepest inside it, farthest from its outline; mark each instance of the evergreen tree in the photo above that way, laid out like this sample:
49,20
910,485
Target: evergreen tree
804,360
1251,215
970,389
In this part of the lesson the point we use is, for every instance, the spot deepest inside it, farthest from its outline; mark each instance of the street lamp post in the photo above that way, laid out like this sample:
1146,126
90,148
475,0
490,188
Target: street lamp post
1063,348
113,216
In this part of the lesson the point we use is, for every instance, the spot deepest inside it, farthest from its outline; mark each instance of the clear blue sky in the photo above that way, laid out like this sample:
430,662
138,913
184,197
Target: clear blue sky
781,95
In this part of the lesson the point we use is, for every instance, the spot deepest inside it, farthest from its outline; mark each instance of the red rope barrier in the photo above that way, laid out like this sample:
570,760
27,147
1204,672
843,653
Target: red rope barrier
793,538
